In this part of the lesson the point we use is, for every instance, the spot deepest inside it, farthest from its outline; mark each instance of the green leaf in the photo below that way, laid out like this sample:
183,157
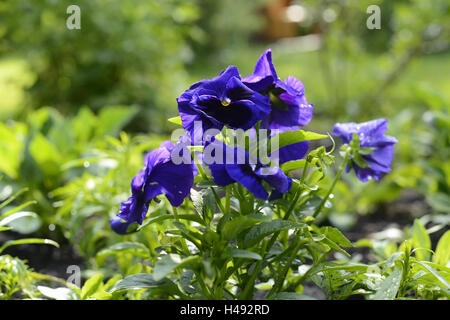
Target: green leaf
111,282
356,157
46,155
112,119
23,222
58,293
11,199
158,219
435,273
11,148
291,137
235,226
169,262
421,239
91,286
314,176
28,241
246,254
135,248
165,265
16,209
442,255
293,165
204,202
142,281
291,296
439,201
176,120
365,151
389,287
258,232
185,282
15,216
336,236
83,124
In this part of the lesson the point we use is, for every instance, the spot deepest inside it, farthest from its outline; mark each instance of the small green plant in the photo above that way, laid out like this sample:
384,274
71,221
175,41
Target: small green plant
15,276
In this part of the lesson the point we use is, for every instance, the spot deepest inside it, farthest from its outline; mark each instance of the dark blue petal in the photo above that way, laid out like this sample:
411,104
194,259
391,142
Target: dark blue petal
119,226
175,181
224,100
371,135
275,177
134,209
243,174
264,74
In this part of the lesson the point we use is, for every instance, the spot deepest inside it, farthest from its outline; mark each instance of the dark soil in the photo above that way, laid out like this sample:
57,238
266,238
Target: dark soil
44,259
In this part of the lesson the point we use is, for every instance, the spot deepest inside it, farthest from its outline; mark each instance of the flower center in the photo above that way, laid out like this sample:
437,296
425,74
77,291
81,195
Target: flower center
225,102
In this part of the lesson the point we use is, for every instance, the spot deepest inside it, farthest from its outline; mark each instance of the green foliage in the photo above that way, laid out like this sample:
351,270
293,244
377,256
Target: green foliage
16,278
76,158
78,167
139,61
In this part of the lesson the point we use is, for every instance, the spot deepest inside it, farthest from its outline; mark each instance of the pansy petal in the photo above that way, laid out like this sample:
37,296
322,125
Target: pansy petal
119,226
371,135
295,151
175,181
243,174
134,209
264,74
275,178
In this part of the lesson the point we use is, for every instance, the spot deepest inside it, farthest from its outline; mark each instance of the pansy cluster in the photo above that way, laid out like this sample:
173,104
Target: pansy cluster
251,103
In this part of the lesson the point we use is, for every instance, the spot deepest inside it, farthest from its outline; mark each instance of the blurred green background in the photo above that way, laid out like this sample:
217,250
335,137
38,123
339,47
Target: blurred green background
67,97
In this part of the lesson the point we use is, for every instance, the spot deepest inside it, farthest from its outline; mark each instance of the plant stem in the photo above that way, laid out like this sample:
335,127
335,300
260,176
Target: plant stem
183,241
219,203
204,176
282,275
175,213
336,178
268,246
247,293
227,198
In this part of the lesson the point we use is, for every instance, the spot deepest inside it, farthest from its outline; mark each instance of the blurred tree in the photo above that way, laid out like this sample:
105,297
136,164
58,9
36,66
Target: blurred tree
225,26
409,28
126,52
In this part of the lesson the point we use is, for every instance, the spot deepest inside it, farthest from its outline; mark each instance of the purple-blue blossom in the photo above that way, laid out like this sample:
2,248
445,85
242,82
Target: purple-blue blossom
222,101
290,108
371,136
248,172
159,176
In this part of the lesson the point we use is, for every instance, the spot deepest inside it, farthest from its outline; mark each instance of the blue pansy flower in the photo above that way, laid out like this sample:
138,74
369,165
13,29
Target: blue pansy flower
221,101
120,226
290,108
379,147
159,176
248,172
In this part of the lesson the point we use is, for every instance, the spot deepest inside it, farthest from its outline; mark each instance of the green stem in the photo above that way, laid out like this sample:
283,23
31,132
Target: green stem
219,203
266,248
282,275
175,213
307,273
183,241
227,199
336,178
204,287
204,176
247,293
